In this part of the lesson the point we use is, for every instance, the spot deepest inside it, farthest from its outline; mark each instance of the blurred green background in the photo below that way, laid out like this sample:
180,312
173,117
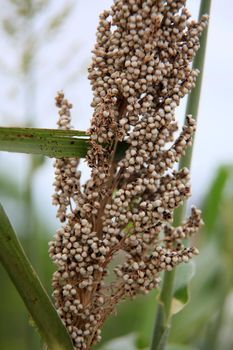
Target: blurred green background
206,322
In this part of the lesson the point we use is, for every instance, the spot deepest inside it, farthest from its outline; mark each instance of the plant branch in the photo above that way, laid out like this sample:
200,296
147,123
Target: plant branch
30,288
163,317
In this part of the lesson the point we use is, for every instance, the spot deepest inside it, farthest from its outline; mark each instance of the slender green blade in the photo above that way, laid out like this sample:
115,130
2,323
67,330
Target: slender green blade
48,142
214,198
37,132
32,292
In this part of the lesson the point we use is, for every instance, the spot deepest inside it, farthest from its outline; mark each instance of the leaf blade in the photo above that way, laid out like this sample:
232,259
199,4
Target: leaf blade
30,288
214,196
48,142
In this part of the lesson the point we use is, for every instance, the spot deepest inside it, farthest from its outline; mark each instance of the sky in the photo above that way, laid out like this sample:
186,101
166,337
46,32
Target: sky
61,63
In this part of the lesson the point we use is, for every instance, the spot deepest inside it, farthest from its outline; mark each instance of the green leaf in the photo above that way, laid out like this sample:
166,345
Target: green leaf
184,274
207,287
214,197
212,281
32,292
49,142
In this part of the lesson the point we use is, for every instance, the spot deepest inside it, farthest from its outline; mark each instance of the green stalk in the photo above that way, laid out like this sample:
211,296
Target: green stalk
30,288
163,317
194,96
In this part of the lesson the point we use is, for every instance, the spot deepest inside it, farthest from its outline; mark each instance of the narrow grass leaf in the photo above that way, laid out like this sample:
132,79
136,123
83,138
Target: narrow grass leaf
32,292
214,197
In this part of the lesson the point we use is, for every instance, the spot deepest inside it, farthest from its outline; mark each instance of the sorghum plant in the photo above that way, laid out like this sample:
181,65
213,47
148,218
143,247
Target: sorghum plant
141,68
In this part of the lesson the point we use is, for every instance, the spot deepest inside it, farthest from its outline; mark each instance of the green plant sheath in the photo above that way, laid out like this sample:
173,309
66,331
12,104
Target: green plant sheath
30,288
162,322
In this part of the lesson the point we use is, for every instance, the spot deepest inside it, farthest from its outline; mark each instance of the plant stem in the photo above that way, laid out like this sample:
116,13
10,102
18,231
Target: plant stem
30,288
161,328
194,96
163,317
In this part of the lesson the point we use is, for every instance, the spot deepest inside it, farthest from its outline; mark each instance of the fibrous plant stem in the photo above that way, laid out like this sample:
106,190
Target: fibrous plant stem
163,316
